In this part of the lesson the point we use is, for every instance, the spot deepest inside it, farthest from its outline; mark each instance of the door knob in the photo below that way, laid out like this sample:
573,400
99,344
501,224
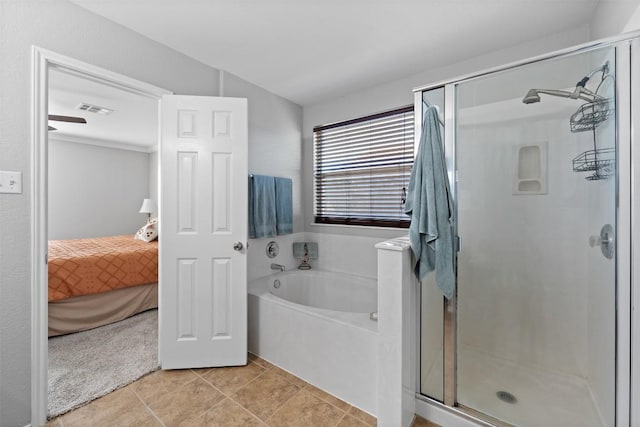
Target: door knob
605,240
237,246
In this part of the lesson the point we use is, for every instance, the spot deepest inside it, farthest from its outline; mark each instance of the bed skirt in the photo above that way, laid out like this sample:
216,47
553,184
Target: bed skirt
90,311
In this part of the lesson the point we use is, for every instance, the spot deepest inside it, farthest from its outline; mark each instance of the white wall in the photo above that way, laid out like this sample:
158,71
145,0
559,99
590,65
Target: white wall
67,29
615,17
345,254
95,191
398,93
275,128
274,136
153,179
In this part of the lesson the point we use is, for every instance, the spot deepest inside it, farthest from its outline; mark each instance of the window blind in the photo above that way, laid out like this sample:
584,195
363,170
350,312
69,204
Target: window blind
362,169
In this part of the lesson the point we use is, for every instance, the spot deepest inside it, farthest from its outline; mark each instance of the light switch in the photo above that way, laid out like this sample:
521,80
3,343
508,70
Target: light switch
10,182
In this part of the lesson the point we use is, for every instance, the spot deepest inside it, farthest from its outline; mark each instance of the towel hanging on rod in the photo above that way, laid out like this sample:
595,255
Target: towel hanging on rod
430,205
262,206
292,180
427,106
270,206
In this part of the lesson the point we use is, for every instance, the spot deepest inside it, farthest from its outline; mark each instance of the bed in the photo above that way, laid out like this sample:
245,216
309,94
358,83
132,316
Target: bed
97,281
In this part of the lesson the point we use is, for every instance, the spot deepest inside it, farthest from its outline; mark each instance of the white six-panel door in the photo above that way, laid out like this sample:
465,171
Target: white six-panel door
203,184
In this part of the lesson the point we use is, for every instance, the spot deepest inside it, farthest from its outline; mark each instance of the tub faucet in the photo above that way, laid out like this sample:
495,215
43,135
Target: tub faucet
275,266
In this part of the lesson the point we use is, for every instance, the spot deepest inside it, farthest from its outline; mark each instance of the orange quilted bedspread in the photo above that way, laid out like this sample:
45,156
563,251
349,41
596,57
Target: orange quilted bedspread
91,266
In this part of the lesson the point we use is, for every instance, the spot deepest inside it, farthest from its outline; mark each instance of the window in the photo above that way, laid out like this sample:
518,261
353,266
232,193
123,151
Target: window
362,169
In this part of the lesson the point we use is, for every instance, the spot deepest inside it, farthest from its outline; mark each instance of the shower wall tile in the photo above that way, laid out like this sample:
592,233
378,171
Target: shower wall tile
259,265
524,259
348,254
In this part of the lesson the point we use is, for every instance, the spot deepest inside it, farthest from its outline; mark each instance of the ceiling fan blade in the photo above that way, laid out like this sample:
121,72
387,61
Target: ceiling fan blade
69,119
51,128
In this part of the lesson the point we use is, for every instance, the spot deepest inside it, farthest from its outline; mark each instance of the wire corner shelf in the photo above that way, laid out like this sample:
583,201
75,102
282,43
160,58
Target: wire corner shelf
602,162
590,115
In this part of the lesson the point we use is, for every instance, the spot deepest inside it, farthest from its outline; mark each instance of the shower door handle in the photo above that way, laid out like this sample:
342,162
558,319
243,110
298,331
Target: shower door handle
605,240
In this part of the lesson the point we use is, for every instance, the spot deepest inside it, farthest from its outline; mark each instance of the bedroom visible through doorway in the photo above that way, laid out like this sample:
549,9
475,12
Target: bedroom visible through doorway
93,170
102,167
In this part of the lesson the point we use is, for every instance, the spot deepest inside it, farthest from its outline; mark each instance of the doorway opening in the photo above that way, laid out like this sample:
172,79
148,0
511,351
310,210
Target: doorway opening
52,74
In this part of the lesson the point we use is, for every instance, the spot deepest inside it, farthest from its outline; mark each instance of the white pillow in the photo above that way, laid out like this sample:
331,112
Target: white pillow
148,232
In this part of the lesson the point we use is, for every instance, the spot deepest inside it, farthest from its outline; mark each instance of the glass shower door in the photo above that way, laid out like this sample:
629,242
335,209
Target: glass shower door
536,204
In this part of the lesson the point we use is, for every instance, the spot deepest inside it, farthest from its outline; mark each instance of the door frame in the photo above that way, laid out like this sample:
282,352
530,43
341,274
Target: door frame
42,61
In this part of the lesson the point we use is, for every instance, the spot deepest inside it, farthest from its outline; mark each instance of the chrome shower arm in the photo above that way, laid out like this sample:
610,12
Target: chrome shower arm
555,92
579,93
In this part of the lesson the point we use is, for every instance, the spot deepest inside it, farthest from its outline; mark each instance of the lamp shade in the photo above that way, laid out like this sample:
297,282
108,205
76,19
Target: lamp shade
148,206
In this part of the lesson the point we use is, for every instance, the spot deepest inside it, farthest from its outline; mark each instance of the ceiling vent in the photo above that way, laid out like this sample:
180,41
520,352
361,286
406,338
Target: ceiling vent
94,109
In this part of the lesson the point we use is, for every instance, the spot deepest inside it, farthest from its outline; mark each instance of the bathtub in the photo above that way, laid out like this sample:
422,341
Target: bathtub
315,324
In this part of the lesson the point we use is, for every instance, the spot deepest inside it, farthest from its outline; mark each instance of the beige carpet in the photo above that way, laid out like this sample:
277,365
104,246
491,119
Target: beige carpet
86,365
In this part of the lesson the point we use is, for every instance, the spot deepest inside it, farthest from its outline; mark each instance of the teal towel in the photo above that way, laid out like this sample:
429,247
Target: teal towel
284,205
252,227
262,206
431,208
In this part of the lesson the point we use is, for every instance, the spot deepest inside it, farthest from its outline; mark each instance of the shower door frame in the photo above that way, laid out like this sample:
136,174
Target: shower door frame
635,233
627,278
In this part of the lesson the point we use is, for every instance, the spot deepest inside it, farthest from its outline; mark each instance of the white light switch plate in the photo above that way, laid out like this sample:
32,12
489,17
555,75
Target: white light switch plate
11,182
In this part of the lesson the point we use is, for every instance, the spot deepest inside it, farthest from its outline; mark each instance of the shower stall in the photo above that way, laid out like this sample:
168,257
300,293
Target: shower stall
539,162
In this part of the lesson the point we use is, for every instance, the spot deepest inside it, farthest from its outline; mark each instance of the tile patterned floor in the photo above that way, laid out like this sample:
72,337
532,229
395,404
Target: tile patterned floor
259,394
421,422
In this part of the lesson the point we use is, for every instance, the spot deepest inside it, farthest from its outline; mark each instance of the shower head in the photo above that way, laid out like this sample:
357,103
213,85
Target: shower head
531,97
579,92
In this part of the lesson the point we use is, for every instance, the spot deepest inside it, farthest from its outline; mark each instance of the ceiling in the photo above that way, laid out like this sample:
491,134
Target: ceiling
133,124
309,51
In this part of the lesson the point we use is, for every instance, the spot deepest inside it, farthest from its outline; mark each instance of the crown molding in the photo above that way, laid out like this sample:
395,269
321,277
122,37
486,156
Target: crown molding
119,145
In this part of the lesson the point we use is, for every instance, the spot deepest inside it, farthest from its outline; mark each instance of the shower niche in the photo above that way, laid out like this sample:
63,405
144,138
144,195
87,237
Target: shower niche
530,169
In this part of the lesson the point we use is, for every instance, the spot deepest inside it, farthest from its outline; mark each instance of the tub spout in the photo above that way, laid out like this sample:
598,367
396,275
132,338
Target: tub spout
275,266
